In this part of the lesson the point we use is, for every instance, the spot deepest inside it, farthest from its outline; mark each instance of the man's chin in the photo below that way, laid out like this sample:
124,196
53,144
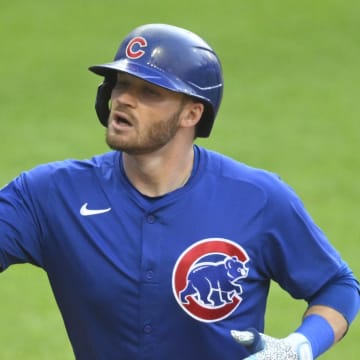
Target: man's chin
113,142
132,149
117,145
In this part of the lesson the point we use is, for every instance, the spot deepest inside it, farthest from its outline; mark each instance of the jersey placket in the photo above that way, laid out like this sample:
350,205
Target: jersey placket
149,286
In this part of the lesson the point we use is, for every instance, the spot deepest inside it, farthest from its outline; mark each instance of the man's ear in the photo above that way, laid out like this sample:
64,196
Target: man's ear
192,113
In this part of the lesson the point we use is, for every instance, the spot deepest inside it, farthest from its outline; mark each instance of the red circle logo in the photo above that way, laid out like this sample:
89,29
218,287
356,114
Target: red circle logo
134,47
207,279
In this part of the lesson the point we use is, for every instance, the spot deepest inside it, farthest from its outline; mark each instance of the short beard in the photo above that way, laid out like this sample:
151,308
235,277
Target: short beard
155,138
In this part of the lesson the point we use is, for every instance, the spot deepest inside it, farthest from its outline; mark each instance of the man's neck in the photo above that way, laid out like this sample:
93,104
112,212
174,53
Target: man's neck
158,174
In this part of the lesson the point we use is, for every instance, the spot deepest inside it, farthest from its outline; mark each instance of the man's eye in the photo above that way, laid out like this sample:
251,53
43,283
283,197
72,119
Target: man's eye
150,91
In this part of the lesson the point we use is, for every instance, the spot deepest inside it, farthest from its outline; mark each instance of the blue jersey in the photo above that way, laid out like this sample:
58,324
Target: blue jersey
168,277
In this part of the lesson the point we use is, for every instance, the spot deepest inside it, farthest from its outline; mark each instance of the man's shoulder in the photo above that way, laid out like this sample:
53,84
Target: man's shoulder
74,165
234,177
69,170
229,167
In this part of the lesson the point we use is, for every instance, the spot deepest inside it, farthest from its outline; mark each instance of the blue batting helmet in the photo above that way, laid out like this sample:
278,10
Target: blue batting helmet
170,57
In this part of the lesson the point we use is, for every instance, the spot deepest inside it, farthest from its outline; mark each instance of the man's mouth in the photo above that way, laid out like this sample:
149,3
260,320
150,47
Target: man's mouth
121,119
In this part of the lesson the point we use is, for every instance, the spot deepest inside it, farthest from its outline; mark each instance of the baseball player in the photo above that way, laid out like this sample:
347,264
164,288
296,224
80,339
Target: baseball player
161,249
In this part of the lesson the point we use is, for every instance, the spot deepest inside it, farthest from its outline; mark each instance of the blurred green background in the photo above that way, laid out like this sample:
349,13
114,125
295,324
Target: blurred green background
291,105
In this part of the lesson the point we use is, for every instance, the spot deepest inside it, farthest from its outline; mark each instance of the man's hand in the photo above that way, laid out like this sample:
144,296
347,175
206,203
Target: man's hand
264,347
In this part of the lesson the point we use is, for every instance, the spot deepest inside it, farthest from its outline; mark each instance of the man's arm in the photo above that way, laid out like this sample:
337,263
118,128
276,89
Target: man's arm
321,328
325,322
335,319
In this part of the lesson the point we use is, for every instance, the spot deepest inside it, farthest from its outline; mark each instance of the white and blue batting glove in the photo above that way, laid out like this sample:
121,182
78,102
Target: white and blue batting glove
263,347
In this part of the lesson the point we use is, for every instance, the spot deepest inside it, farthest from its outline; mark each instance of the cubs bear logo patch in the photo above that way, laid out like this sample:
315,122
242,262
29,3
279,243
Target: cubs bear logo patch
207,278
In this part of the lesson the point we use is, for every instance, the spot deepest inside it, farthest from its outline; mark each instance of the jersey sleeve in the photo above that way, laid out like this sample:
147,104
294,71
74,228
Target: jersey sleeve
20,231
296,252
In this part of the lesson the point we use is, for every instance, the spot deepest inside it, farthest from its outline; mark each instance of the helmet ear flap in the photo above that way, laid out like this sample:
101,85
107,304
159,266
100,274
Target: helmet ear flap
102,100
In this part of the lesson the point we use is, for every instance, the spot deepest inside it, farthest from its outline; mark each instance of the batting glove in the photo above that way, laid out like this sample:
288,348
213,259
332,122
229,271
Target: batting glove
264,347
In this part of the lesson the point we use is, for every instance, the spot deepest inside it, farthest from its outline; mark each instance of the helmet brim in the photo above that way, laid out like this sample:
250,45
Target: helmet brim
151,75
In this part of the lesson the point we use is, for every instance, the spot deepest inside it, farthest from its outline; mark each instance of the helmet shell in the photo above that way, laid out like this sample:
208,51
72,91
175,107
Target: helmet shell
170,57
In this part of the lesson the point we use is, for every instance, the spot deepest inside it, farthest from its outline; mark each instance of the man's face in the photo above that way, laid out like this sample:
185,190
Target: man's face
143,117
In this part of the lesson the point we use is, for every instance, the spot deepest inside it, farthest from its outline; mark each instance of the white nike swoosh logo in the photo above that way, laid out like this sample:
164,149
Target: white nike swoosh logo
84,211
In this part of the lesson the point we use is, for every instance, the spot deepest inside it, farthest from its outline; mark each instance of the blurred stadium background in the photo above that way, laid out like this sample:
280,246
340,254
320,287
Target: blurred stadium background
291,105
